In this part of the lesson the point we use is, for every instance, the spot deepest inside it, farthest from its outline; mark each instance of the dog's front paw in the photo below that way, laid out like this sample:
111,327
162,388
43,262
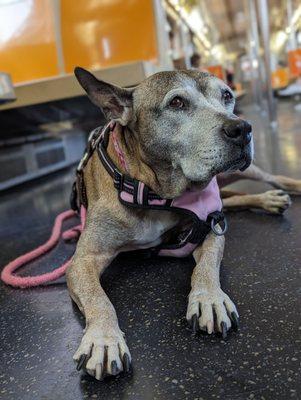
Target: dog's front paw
275,201
211,311
102,353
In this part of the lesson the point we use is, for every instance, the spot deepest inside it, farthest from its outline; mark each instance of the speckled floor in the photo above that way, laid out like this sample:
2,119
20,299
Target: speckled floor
41,329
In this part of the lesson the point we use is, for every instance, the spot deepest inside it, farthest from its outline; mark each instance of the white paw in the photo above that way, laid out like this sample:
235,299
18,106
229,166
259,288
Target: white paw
211,311
275,201
103,353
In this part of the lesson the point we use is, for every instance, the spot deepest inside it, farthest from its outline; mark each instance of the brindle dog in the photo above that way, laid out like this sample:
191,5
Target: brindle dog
179,132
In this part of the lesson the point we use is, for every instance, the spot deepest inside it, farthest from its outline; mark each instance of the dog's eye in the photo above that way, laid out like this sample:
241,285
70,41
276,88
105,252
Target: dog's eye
177,102
227,96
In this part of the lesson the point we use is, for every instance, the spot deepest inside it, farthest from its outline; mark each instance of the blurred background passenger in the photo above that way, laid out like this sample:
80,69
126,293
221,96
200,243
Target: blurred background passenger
195,61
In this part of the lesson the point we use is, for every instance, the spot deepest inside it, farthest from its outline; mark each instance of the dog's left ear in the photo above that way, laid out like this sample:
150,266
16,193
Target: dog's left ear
115,102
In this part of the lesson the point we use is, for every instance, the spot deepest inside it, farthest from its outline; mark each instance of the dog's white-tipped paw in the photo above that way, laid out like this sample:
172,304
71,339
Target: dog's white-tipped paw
211,311
275,201
102,353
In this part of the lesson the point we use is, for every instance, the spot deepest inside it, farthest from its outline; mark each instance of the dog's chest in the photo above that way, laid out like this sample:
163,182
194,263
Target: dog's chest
152,228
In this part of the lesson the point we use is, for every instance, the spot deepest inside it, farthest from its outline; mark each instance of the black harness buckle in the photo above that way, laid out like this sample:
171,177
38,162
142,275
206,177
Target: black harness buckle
118,180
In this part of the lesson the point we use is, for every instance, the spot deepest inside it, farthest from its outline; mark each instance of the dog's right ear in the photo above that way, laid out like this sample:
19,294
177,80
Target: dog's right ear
115,102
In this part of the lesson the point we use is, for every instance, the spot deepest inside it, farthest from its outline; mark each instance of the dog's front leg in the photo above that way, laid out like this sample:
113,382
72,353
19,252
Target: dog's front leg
103,350
209,308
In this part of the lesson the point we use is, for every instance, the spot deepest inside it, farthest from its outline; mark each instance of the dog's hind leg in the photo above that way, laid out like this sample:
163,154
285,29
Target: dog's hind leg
103,350
290,185
272,201
209,308
293,186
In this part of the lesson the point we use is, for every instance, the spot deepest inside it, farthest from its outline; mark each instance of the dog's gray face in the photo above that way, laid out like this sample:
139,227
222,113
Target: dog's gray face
186,118
183,119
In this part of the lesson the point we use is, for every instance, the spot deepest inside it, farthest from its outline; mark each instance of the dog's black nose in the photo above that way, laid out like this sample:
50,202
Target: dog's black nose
238,130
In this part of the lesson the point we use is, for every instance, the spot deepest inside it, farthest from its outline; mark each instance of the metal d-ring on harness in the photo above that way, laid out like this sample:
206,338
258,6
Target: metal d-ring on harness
217,220
135,194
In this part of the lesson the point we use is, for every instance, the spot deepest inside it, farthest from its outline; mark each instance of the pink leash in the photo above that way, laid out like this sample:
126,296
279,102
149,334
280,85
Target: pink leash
12,279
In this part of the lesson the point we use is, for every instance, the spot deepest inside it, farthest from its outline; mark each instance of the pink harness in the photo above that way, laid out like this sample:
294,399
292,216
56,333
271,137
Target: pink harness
203,207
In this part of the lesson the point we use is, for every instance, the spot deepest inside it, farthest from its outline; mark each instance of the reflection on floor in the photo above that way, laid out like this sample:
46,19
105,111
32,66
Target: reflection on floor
40,329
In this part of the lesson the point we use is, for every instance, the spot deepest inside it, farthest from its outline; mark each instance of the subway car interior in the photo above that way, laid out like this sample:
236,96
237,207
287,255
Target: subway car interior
92,191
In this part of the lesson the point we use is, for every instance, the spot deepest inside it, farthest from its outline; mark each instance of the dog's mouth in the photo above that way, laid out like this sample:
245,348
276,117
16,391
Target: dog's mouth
241,163
247,161
247,156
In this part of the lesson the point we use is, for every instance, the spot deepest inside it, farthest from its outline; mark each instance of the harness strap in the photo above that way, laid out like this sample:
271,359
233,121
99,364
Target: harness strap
79,196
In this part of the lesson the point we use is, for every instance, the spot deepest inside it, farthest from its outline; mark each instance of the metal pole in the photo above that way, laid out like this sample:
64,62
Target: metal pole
292,42
265,31
254,52
56,8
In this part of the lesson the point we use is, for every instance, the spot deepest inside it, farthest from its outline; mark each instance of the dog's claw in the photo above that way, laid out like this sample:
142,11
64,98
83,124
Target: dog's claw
126,362
98,372
224,329
194,323
114,368
81,361
234,319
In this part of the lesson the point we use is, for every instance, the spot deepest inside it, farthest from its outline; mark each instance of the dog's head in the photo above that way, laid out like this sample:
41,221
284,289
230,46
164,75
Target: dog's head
183,121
